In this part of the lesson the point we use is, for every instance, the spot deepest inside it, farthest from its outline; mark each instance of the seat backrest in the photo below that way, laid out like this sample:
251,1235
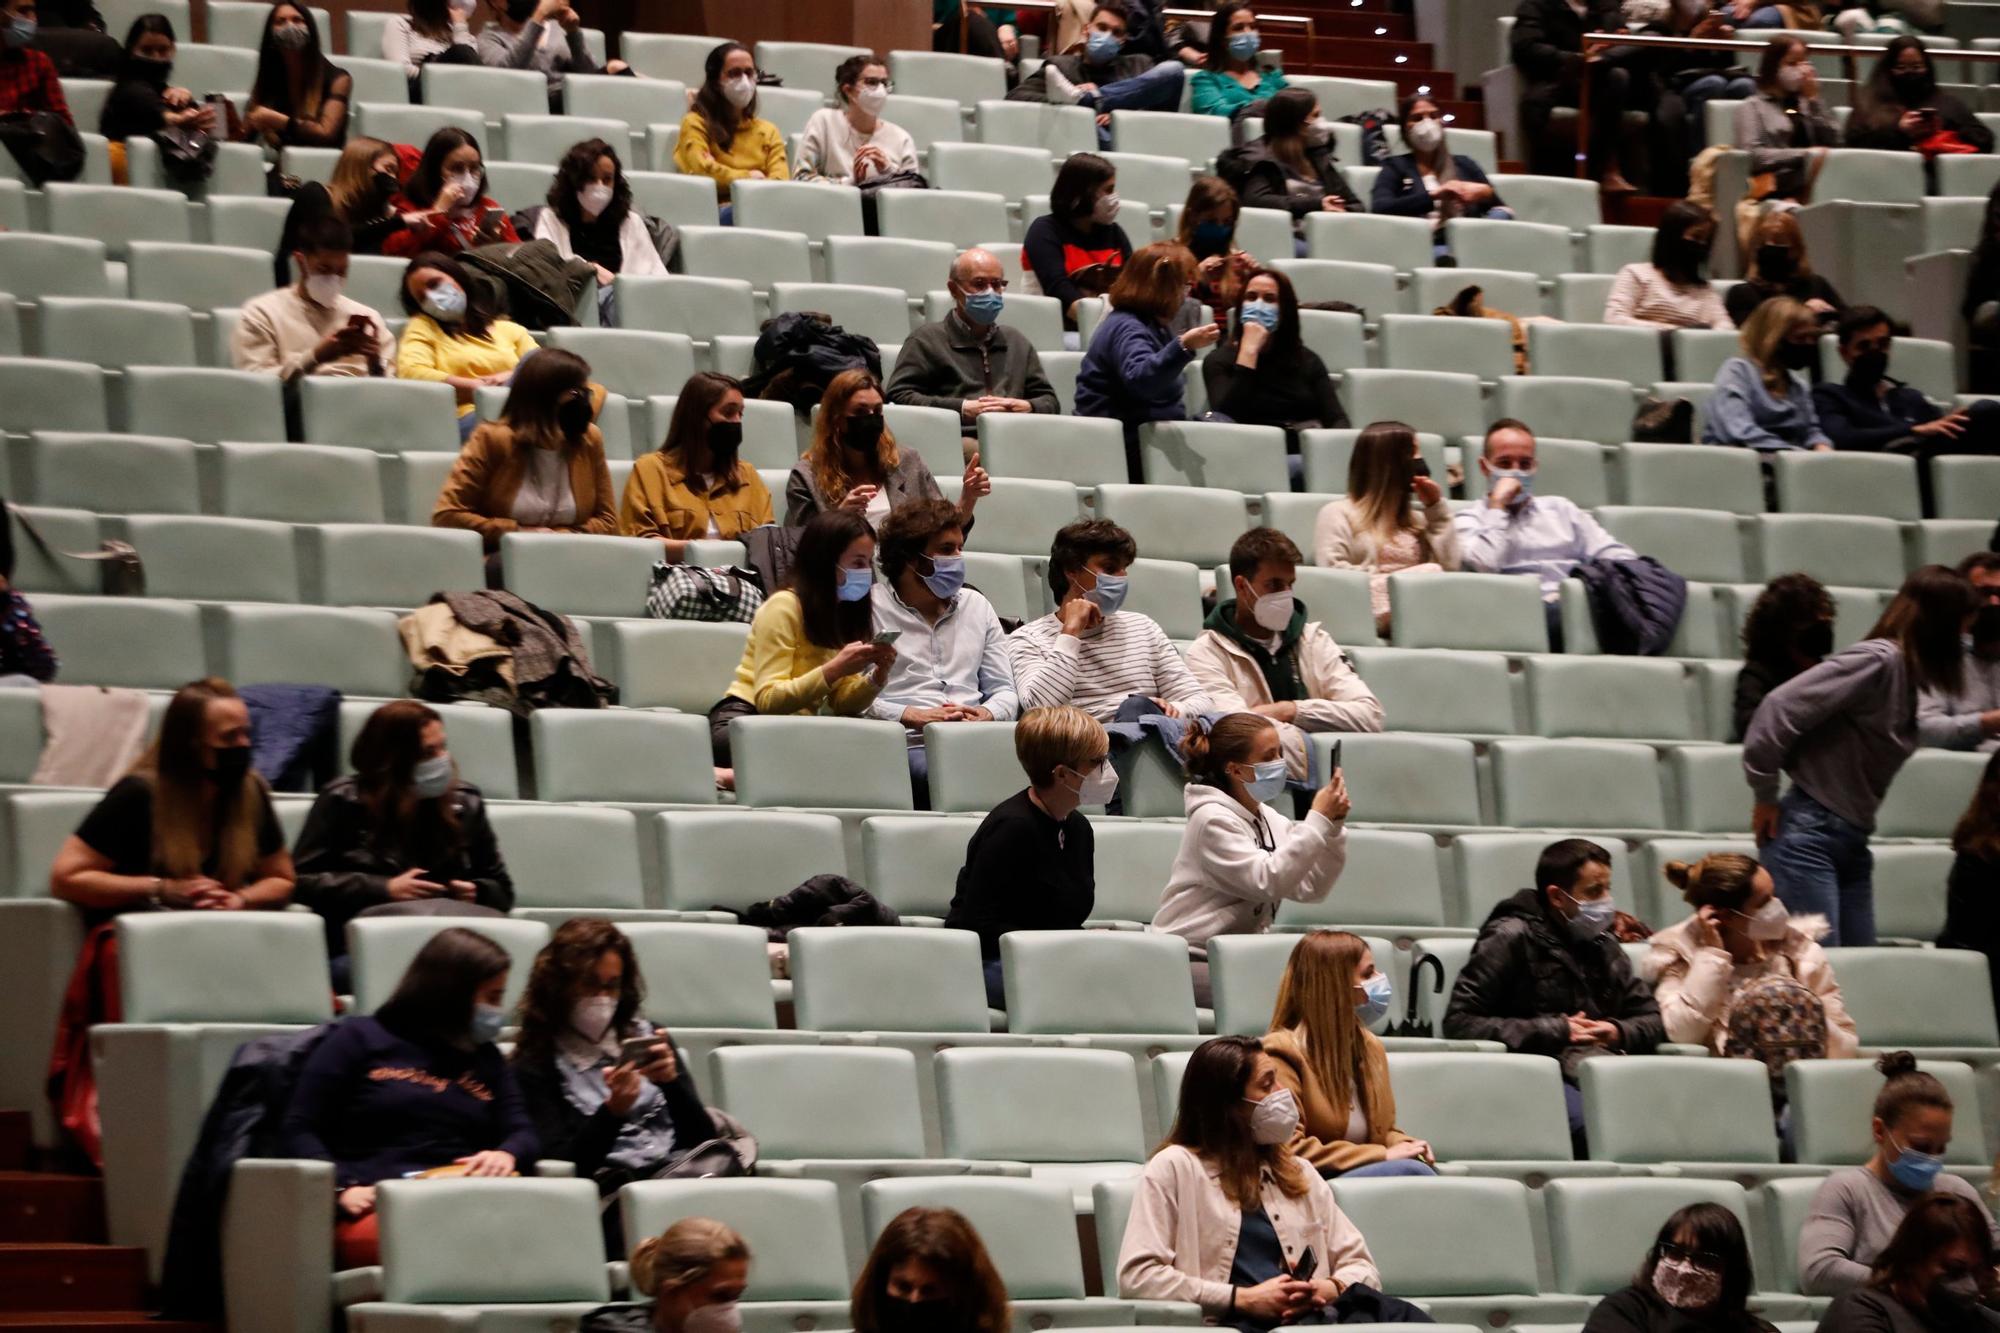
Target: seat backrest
439,1238
1133,861
1517,1116
115,474
1393,880
881,313
355,651
1612,697
1084,451
399,565
972,765
1596,1226
967,80
381,948
1569,407
1373,238
704,976
887,979
570,856
668,55
118,214
1440,402
1662,1108
239,967
1833,1102
216,559
760,258
33,266
1014,173
1451,693
1190,523
93,636
544,139
1482,1224
805,64
1701,545
1039,1105
627,361
708,858
1929,998
1482,347
962,217
1053,128
1591,784
1517,293
1928,793
792,1226
117,333
1557,200
1676,476
1498,612
855,763
1250,459
1370,287
208,406
1539,248
1883,485
1846,550
621,755
300,483
1028,1226
1872,174
914,267
839,1102
815,209
928,120
676,664
1092,981
1409,779
911,863
585,574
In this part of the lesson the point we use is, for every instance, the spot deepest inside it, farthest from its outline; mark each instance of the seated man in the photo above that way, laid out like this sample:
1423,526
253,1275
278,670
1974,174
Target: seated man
1970,719
1115,665
1518,532
1546,976
1094,73
1547,48
969,362
951,654
311,327
1259,654
28,84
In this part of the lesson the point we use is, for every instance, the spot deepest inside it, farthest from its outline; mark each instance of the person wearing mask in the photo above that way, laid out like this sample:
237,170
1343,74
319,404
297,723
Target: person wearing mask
1229,83
312,327
1902,108
444,204
144,100
1258,653
1780,266
1670,292
1114,664
1430,181
1102,75
1841,731
540,467
693,1275
695,486
72,34
1207,230
453,338
28,79
1786,128
929,1271
591,216
1741,960
1934,1276
418,1087
299,98
1264,374
969,362
855,463
1077,248
540,34
1546,977
1334,1067
851,144
1133,371
1788,630
1372,528
1547,47
1696,1276
722,137
1972,893
1763,399
1980,307
1856,1213
1030,865
1225,1209
811,648
366,177
1969,719
1292,168
26,659
426,31
1239,857
951,658
1689,79
403,828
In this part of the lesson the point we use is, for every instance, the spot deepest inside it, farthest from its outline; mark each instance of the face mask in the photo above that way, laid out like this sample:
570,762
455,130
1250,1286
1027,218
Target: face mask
1101,48
1791,77
1769,922
1913,1170
1424,135
740,89
487,1020
591,1017
292,37
1693,253
725,438
947,576
1273,611
1264,314
1419,467
1317,132
1867,370
1275,1119
1098,786
1267,779
984,307
232,764
386,185
1526,476
1911,88
863,433
1211,239
854,584
323,289
470,184
573,415
1375,996
1774,262
431,778
1593,916
1955,1295
594,197
520,11
1105,211
894,1316
148,68
714,1319
1109,594
1797,356
1816,640
871,100
1986,626
444,302
20,32
1686,1286
1243,45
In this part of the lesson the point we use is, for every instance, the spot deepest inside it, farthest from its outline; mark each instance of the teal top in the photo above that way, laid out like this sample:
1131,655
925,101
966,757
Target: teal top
1215,93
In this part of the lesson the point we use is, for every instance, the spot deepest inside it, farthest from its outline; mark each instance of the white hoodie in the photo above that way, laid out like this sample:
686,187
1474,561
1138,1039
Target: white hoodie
1234,868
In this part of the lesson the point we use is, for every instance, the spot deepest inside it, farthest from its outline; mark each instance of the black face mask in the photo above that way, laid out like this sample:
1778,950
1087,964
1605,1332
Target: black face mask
1867,370
864,432
146,69
1986,626
1912,88
1419,467
521,10
940,1316
725,439
232,764
1815,641
1774,263
573,415
386,185
1798,356
1692,253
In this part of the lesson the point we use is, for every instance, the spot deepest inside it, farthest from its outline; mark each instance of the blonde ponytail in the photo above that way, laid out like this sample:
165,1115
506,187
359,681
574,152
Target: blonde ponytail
684,1254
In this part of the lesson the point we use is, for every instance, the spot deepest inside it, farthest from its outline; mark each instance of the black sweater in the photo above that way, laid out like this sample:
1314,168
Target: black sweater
1024,871
1638,1310
568,1135
1276,393
1058,251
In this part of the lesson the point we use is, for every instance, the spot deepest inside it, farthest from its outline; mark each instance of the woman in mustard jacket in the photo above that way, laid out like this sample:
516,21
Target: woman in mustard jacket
695,486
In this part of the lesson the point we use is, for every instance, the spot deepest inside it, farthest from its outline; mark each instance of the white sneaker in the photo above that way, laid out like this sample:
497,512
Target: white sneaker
1061,90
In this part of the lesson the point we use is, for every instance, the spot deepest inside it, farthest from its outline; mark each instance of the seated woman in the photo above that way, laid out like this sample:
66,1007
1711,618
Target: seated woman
1430,181
694,485
810,648
1780,266
693,1273
591,215
299,97
1980,305
1266,375
540,467
930,1271
851,144
1902,108
144,101
1856,1212
1371,527
1696,1277
418,1087
1077,248
722,137
1229,83
1334,1067
1762,399
452,337
1207,231
1739,957
1786,128
443,203
366,177
402,833
426,31
25,656
1031,864
854,462
1670,292
1934,1276
1133,372
1789,628
1972,893
1293,167
1687,80
1225,1209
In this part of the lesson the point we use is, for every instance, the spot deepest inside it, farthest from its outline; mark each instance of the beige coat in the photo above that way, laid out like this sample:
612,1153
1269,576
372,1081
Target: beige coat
1234,683
1339,542
1322,1137
1181,1238
1695,984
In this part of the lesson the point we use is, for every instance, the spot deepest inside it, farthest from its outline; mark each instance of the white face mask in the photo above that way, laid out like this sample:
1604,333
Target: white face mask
1275,1119
468,185
323,289
725,1318
1273,611
595,197
1105,212
1316,132
871,100
592,1015
740,89
1423,135
1098,786
1791,77
1769,922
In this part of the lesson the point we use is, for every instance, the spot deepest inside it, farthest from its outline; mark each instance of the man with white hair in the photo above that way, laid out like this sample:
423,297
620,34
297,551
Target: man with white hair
968,361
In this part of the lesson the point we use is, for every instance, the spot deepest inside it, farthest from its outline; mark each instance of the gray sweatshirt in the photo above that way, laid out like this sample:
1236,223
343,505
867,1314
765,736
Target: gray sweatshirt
1841,729
1951,721
535,48
1850,1222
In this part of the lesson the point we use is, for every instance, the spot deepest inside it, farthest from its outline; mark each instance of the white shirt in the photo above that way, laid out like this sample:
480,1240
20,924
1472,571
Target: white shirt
962,659
1544,537
830,141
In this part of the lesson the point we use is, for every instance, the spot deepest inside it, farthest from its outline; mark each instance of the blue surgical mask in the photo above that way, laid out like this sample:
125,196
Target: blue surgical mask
854,584
1243,45
431,778
1913,1170
947,576
1268,779
1262,313
1101,48
1109,594
487,1020
21,32
984,307
1593,916
1375,995
1526,476
445,302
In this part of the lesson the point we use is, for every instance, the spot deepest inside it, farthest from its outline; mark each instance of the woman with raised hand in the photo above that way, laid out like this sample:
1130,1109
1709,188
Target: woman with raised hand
1263,374
444,205
1373,527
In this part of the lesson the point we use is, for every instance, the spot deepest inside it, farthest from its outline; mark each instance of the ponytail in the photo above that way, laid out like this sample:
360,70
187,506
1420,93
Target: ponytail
684,1254
1209,749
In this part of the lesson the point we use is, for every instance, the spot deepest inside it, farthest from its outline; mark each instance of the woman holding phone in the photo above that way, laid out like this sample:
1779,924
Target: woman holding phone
444,205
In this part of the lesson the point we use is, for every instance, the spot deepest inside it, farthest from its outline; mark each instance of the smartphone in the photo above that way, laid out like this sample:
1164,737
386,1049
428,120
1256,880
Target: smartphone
1307,1266
1336,756
887,636
639,1050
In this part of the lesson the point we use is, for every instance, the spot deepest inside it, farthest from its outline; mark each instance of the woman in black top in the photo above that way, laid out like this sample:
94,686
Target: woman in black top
1076,248
1031,864
1972,897
1265,375
1936,1276
1902,108
142,101
299,97
1789,628
1780,266
1292,167
1981,306
1696,1279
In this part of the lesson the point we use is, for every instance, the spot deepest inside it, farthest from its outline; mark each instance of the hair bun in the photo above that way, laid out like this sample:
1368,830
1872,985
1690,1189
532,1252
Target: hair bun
1680,874
1896,1064
646,1266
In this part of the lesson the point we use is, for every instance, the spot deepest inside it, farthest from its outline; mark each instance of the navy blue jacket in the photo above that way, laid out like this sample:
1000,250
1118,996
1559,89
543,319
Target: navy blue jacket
1855,420
1399,186
1133,374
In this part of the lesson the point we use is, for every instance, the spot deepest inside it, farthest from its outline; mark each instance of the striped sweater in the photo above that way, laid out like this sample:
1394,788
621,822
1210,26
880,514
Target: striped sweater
1128,654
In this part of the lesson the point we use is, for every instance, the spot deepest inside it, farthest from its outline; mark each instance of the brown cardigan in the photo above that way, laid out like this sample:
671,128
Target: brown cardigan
479,493
1322,1125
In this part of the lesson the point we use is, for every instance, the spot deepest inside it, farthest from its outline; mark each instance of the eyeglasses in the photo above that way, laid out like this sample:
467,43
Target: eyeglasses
1700,1258
885,84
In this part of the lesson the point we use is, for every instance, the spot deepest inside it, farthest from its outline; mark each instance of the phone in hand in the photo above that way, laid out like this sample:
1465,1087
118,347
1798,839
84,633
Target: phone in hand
1336,756
640,1050
1307,1265
885,637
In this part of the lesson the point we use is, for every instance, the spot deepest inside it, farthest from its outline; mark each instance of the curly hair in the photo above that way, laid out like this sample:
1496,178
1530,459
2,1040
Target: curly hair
566,960
579,164
1788,604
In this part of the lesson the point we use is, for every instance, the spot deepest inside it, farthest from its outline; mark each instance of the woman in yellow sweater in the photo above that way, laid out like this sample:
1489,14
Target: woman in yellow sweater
453,337
723,138
810,648
694,485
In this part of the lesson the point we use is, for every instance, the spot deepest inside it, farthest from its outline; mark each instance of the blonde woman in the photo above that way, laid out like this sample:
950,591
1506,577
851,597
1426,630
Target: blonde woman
1762,399
1372,527
855,463
366,176
1334,1066
695,1272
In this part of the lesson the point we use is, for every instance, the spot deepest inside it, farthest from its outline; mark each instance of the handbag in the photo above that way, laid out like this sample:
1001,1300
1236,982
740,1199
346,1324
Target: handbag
691,592
121,573
187,156
47,147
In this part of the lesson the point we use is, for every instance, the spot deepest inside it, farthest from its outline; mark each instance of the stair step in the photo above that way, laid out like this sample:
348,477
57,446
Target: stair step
1407,78
1351,23
74,1278
36,1208
1371,52
17,1140
85,1321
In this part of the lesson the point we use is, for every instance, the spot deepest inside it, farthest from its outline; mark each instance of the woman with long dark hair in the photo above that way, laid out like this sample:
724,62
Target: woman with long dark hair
1671,291
144,99
1264,374
1207,230
452,337
1229,81
1696,1277
1841,731
1372,527
1935,1276
1972,896
1293,167
1903,109
1429,180
299,97
855,463
591,216
1981,304
696,485
929,1271
1786,128
1789,629
444,204
1077,248
428,31
723,137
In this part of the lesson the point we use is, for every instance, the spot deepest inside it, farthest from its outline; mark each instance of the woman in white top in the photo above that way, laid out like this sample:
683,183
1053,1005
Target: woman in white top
851,144
591,216
1670,292
1372,527
1225,1210
429,30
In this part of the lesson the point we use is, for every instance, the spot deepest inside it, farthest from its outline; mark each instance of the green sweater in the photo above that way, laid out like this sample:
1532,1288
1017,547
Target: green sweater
1214,93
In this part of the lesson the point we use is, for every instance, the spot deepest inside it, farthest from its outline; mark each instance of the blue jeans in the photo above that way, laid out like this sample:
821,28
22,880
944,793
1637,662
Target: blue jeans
996,985
1821,864
1706,89
920,779
1158,89
1769,16
467,424
1407,1166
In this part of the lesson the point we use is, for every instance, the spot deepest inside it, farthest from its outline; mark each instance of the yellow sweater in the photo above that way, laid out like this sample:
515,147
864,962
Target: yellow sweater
428,352
758,146
780,671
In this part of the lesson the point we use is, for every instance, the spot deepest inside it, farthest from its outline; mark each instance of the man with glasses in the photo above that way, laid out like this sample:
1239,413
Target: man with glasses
968,361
